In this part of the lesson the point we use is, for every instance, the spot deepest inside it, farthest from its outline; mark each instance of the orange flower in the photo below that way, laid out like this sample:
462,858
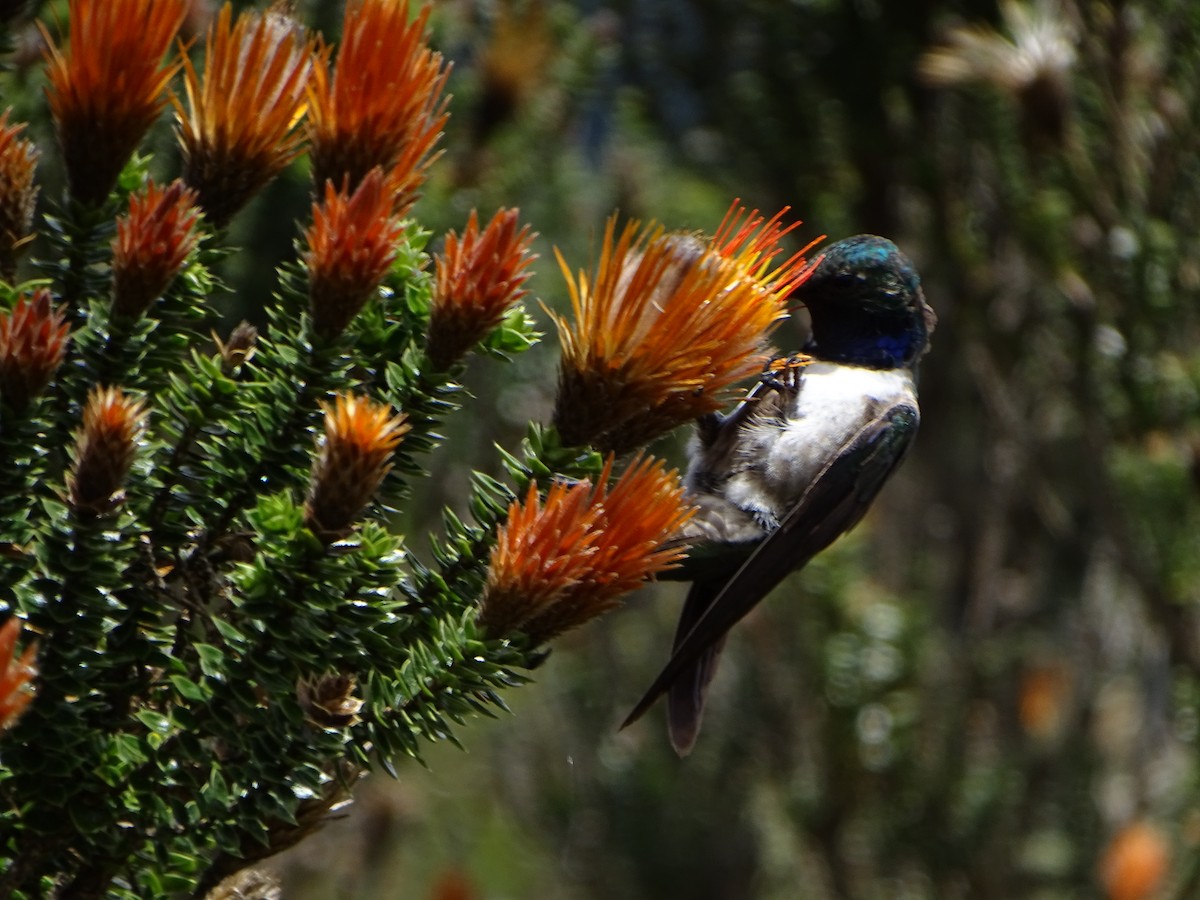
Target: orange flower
360,438
1134,862
18,194
33,339
107,89
16,674
666,325
152,243
104,450
351,245
559,564
383,104
241,128
478,278
1043,699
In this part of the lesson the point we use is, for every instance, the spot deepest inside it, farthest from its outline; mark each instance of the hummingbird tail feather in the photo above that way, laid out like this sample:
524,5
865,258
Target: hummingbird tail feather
689,689
685,699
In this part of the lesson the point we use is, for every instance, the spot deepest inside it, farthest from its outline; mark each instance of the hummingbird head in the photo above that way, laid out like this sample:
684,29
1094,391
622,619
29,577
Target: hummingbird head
866,305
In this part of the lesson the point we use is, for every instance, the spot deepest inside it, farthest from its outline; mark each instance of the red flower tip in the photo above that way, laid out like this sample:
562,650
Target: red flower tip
382,105
107,88
558,564
479,277
351,245
33,340
16,674
152,243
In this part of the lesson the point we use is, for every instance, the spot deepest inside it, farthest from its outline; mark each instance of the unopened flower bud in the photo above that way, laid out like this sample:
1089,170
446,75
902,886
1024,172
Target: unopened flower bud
33,340
360,437
104,450
152,244
479,277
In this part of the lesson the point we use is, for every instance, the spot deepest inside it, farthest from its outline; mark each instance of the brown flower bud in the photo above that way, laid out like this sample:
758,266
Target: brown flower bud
239,349
328,700
18,194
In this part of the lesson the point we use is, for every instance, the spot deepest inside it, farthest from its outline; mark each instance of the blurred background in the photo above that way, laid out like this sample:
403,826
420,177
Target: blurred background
991,689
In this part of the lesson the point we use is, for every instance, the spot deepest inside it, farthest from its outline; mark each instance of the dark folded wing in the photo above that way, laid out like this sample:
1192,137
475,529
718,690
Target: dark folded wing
832,504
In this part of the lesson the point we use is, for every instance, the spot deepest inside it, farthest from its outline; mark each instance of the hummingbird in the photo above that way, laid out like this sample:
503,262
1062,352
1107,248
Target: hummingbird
799,460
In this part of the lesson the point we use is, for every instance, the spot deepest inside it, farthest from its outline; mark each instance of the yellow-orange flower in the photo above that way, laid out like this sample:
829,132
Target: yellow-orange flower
479,277
666,324
382,105
33,339
18,194
152,243
563,562
104,450
351,245
240,130
1043,699
108,87
1135,862
360,438
16,673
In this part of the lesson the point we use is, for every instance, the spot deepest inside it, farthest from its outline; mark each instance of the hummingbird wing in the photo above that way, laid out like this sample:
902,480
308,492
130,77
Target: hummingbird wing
832,504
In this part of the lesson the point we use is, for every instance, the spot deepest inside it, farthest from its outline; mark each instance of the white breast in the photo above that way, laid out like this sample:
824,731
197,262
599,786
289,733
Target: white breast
833,404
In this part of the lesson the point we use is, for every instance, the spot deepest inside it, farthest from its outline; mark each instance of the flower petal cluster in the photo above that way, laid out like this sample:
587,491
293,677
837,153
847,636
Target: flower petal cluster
559,563
1032,63
108,86
33,340
360,438
383,104
104,450
18,193
352,243
666,324
153,242
239,129
479,278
